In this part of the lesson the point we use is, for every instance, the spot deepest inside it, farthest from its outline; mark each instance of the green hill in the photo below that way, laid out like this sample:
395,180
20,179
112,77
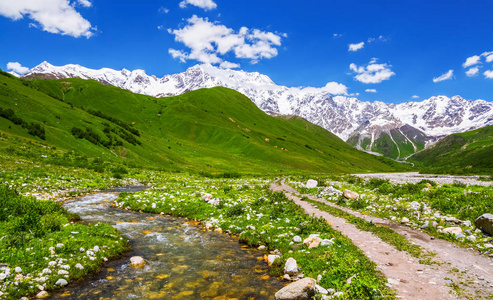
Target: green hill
461,153
209,130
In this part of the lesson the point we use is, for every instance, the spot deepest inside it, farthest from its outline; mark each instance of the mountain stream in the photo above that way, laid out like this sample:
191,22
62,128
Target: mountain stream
183,261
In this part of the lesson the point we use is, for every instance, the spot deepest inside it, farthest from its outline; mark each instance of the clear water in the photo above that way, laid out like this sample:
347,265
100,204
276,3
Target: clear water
183,260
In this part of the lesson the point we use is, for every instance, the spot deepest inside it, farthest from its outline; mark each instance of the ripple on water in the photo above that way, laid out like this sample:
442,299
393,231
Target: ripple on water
183,261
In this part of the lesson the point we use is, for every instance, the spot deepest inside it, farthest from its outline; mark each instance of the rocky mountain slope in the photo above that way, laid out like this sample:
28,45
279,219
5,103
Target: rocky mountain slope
396,131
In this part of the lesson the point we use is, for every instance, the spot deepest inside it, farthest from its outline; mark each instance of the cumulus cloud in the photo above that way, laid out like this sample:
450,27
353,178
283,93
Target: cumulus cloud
17,68
55,16
208,41
228,65
372,73
356,47
445,76
471,61
85,3
488,74
204,4
336,88
472,72
415,97
371,90
488,56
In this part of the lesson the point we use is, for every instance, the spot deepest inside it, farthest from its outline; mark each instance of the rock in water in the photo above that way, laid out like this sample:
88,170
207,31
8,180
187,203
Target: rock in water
42,294
350,194
137,261
291,267
311,184
485,223
303,289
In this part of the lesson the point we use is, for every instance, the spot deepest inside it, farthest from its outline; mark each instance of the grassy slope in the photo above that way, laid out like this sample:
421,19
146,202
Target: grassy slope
468,152
210,129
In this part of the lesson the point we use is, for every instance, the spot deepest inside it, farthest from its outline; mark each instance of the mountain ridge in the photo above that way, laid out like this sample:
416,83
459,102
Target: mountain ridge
347,117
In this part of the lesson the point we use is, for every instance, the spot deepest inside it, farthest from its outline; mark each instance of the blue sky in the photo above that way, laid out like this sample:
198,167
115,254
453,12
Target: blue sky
378,50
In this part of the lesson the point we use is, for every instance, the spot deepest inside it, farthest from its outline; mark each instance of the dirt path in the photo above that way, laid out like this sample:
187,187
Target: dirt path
472,272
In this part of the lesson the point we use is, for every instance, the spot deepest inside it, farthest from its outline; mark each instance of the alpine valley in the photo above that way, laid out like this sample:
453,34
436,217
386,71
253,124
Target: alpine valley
396,131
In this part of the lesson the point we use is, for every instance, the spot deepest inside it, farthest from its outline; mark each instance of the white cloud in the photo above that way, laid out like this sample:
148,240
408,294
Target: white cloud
356,47
445,76
336,88
85,3
17,68
204,4
55,16
207,41
336,35
372,73
163,10
381,38
182,56
488,55
471,61
488,74
371,90
415,97
472,72
228,65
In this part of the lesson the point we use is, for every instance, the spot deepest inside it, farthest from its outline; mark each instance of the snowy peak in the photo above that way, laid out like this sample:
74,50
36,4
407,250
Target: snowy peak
409,124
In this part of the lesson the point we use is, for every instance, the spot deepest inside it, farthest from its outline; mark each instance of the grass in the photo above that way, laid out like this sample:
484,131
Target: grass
461,153
41,243
244,207
213,131
424,203
386,234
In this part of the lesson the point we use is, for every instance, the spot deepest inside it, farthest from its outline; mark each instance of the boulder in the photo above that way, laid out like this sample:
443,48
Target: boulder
485,223
303,289
271,258
137,261
291,267
61,282
452,230
331,191
312,241
297,239
350,195
311,184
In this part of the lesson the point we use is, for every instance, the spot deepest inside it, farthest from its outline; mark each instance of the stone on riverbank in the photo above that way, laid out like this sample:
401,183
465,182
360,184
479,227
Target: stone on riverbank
291,267
485,223
299,290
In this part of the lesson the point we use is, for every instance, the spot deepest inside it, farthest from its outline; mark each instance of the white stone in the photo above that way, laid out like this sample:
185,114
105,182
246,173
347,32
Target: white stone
297,239
42,294
79,266
61,282
452,230
404,220
137,261
326,242
271,258
18,269
291,267
311,184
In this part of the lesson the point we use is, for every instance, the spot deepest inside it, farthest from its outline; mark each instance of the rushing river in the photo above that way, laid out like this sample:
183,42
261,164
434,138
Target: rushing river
183,260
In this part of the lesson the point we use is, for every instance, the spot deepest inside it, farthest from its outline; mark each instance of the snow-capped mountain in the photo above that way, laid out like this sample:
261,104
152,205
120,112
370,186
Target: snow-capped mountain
362,123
